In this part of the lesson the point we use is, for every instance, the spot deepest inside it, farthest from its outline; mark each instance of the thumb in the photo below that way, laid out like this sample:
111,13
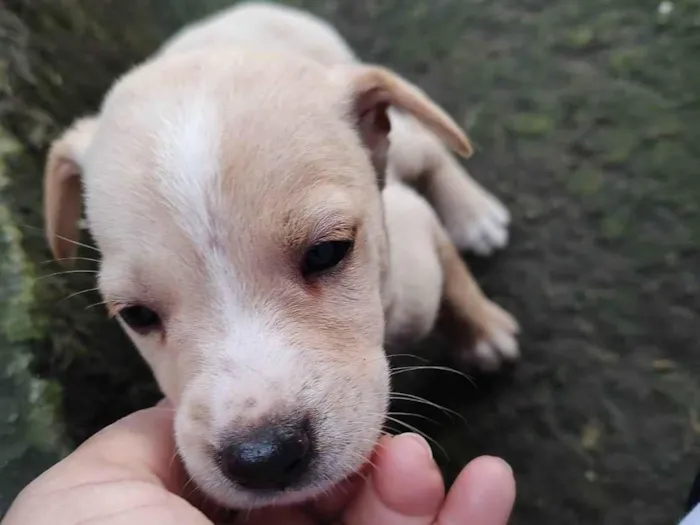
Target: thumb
141,443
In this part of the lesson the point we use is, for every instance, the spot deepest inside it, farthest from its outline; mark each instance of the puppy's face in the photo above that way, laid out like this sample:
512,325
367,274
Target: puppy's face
236,204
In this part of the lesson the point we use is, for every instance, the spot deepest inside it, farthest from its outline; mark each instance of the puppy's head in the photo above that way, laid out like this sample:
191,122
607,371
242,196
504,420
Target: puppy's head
236,203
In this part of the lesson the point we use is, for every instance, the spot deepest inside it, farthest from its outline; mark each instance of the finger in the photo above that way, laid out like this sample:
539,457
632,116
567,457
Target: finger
164,403
330,505
405,488
483,494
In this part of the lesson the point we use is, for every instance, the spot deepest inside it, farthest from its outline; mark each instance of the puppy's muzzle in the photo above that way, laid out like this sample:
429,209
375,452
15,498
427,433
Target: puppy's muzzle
271,457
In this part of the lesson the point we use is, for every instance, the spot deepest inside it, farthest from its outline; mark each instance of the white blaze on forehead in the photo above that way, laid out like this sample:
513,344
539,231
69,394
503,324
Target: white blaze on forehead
188,141
188,152
188,159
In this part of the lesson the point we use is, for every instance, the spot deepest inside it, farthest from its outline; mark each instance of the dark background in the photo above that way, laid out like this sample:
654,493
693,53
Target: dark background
586,119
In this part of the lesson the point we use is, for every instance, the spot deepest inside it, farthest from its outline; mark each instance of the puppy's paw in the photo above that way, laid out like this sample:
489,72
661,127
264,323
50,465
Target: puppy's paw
481,226
497,344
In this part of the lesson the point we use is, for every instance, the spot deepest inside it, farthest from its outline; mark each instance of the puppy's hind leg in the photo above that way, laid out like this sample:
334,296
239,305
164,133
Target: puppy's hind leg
473,217
484,332
427,273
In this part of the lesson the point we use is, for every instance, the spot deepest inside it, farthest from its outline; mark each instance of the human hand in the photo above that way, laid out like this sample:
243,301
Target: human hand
129,474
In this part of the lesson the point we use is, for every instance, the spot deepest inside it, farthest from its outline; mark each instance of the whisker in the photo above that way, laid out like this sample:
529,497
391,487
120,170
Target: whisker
411,414
66,272
49,261
362,459
326,491
374,443
171,463
29,226
420,432
383,432
389,430
402,396
414,356
95,304
368,462
80,292
390,356
401,370
189,484
81,244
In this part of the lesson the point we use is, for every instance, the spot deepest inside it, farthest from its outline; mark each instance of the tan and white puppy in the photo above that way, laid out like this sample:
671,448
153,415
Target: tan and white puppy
233,184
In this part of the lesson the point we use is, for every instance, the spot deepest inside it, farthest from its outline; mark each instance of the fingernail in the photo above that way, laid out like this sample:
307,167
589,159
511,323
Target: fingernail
418,440
502,462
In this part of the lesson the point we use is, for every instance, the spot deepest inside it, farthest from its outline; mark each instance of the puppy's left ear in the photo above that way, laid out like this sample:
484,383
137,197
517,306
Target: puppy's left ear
373,89
62,187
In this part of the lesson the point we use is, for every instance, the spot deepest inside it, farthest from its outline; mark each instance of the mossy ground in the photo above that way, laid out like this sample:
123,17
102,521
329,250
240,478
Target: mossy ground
586,116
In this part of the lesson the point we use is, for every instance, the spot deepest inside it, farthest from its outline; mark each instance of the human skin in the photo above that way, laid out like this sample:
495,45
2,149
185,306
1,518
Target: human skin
129,474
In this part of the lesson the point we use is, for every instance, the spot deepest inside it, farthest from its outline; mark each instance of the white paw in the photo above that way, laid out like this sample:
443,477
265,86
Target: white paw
483,228
499,348
498,344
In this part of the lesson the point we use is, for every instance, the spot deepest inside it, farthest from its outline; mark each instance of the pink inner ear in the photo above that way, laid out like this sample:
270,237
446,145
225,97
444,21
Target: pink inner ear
371,107
374,126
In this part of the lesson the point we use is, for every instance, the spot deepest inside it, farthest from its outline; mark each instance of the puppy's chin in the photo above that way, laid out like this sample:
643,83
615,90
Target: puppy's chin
207,475
227,496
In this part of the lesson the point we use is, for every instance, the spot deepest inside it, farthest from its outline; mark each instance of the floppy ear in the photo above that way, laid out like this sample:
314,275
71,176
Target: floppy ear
374,89
62,187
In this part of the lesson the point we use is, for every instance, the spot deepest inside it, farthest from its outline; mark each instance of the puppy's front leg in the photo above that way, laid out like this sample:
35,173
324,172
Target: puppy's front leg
485,332
473,217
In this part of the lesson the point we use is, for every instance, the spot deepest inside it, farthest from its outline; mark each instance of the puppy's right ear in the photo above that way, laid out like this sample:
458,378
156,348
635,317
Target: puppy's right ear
373,89
62,187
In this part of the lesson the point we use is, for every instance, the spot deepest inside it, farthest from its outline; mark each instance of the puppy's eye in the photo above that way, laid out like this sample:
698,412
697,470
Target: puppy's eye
324,256
140,318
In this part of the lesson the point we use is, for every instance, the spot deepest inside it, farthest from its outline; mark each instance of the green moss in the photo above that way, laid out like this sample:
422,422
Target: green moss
668,155
531,124
16,322
619,145
30,406
667,125
628,60
585,181
580,37
613,227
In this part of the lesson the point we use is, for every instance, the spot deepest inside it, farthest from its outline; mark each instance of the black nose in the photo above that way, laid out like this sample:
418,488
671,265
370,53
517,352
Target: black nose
269,458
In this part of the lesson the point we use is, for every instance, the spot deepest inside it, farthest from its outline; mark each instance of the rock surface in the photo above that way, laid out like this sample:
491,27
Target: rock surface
586,116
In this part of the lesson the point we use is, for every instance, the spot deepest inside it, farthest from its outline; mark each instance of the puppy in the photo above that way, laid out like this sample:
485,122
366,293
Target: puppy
260,242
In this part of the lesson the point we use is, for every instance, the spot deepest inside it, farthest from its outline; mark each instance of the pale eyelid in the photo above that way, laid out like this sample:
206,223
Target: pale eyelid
338,234
116,306
333,228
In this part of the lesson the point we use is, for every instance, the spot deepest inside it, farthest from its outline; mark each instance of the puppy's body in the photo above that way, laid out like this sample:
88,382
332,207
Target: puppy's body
218,178
262,27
